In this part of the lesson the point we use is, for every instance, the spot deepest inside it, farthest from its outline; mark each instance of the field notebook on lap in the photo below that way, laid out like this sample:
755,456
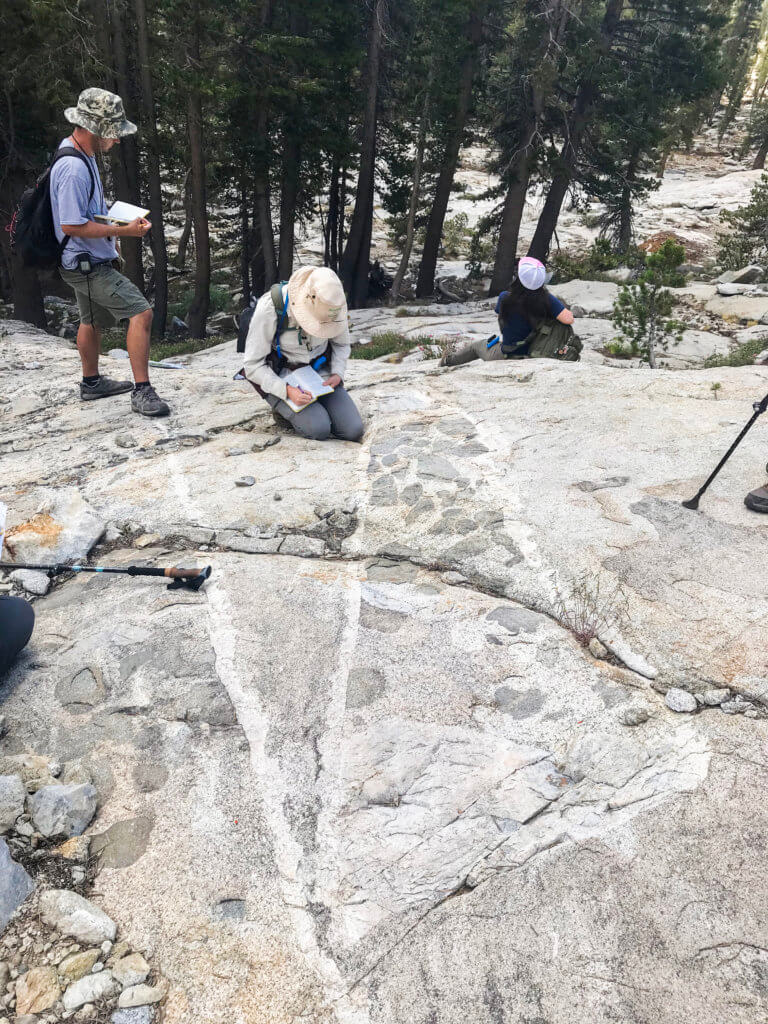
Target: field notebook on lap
308,380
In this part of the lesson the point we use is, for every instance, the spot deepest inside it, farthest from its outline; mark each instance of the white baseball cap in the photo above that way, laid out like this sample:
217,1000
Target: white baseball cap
531,273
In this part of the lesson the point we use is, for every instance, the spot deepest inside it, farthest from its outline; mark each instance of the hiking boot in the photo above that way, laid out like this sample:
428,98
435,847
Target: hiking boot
147,402
104,388
757,500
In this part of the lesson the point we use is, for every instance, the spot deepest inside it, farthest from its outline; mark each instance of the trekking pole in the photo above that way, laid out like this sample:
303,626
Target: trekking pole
187,579
760,408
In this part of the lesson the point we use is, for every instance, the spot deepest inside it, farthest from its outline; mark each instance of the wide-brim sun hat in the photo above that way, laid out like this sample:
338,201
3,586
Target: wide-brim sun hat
317,301
532,274
102,113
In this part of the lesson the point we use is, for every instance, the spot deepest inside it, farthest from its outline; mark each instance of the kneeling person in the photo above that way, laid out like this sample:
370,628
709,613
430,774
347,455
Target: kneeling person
309,330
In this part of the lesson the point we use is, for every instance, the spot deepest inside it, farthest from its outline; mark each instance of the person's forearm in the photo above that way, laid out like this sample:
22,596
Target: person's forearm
92,229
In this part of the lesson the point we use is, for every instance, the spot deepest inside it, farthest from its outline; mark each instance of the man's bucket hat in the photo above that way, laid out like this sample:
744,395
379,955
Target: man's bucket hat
317,301
102,113
532,274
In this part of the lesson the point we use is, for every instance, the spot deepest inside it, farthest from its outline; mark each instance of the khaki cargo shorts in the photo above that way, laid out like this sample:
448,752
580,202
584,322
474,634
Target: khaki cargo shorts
113,297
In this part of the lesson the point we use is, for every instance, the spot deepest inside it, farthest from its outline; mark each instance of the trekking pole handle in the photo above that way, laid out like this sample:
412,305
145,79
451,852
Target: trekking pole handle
174,573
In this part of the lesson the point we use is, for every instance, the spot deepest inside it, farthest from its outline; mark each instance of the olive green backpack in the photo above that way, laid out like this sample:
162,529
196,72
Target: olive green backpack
550,339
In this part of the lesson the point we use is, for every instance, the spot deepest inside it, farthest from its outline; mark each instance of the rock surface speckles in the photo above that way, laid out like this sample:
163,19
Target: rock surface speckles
369,774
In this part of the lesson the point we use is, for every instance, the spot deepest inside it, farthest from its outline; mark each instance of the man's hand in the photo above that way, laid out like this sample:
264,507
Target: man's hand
136,229
333,381
297,396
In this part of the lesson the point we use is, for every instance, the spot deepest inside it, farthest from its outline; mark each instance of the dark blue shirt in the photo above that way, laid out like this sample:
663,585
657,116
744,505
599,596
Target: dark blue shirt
518,328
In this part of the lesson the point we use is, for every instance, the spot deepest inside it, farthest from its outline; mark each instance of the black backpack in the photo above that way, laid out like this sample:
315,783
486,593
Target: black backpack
32,235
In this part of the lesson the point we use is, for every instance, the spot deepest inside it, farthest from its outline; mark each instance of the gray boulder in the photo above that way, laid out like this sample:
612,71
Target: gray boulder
136,1015
63,810
73,915
680,700
746,275
64,529
15,885
12,796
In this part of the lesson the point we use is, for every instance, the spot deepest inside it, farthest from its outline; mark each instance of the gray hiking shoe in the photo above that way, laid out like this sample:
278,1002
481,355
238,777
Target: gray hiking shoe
757,500
104,388
147,402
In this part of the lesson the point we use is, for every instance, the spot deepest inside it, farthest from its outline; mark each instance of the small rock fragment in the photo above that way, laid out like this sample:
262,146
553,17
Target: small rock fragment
77,965
713,698
63,810
131,970
146,540
125,441
680,700
37,990
734,707
73,915
32,581
142,995
245,481
597,650
12,796
632,716
89,989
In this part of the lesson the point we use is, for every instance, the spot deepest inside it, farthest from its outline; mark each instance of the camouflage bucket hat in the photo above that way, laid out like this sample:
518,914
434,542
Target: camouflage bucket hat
102,113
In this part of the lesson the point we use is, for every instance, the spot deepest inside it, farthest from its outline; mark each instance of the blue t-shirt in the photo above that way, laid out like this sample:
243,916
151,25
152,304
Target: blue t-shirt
70,187
519,327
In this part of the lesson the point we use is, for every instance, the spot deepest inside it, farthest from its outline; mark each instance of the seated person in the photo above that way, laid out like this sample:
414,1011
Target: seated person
311,329
16,622
525,303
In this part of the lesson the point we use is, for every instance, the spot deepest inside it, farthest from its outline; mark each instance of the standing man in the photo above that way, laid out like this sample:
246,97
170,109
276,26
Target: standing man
104,296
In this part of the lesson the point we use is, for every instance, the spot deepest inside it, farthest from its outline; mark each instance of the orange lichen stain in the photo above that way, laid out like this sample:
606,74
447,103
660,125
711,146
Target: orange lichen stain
42,525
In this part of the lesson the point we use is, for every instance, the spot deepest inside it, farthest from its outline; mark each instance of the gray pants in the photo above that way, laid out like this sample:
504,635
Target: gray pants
332,415
477,350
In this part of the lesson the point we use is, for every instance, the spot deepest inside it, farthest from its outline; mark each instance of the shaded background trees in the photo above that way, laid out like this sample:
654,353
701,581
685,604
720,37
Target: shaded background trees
260,118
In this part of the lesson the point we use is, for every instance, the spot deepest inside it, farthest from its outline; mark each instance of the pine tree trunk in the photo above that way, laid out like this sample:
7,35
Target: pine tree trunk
245,240
332,230
186,231
288,196
624,239
577,125
355,262
198,311
425,284
258,267
410,225
759,161
505,263
125,160
152,149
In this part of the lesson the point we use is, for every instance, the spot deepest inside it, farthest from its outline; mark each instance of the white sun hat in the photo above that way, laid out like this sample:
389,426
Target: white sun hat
531,273
317,302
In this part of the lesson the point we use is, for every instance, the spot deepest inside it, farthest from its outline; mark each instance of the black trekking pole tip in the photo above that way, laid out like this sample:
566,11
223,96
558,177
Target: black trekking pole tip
692,503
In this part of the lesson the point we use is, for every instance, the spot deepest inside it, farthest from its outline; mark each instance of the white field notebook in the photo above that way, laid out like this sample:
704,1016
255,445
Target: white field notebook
308,380
121,213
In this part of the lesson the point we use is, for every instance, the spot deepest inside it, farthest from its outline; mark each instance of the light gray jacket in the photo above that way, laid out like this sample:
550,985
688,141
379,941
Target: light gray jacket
296,348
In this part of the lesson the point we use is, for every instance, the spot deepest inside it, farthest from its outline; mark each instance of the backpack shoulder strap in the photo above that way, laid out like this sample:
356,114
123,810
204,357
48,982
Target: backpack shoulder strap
71,151
281,308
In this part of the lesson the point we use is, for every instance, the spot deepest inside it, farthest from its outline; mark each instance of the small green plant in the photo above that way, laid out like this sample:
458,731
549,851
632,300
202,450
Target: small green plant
748,240
643,308
743,355
456,235
619,351
389,343
593,264
715,387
